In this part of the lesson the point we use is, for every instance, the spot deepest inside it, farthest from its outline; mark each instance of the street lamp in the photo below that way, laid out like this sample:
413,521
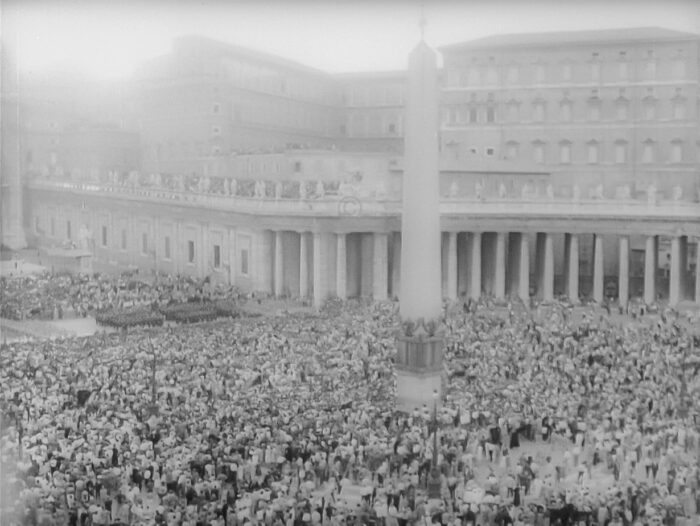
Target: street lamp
434,484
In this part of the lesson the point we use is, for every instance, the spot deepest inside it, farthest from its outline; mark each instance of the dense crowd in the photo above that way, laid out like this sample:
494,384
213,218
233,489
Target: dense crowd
289,420
49,296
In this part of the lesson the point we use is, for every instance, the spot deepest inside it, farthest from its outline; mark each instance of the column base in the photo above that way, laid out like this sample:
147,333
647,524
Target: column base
418,372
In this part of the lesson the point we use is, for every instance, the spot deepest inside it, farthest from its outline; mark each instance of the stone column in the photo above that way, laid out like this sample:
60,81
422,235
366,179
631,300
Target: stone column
524,270
624,272
320,270
499,282
396,267
548,271
598,269
341,278
651,258
279,263
452,265
475,288
679,254
697,271
303,265
380,274
572,267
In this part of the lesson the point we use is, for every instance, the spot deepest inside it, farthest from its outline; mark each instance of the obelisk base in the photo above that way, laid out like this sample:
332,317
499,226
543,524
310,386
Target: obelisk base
418,373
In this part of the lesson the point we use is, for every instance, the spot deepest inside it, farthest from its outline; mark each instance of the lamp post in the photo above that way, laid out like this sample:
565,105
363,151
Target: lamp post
434,484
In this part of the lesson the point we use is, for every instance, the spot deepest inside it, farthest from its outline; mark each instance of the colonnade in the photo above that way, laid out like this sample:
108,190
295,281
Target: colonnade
498,264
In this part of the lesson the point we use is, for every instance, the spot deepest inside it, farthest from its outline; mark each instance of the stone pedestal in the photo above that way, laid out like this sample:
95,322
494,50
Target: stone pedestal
418,371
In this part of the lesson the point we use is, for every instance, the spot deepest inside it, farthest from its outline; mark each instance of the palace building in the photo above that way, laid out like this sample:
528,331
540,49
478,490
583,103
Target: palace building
569,167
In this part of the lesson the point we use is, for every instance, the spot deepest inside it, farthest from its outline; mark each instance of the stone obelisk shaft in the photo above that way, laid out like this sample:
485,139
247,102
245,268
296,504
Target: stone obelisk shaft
420,295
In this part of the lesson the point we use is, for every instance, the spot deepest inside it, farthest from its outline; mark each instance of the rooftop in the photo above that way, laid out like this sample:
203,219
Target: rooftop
635,34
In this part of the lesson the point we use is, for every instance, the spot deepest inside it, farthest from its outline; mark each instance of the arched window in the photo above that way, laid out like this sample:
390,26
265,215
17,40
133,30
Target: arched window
565,152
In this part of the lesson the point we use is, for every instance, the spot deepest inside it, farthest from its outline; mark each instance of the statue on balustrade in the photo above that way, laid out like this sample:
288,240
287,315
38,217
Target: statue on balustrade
525,191
278,190
302,190
260,189
233,190
576,192
599,191
677,192
479,189
320,189
207,185
454,190
550,191
227,187
181,183
502,191
651,194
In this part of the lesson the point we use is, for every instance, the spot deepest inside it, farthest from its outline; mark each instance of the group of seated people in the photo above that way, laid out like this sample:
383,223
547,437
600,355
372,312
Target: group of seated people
290,421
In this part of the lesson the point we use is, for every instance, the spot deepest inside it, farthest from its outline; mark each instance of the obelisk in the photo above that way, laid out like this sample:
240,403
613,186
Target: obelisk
419,342
11,225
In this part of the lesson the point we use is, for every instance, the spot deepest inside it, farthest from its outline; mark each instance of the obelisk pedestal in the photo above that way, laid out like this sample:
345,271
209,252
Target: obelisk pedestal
420,342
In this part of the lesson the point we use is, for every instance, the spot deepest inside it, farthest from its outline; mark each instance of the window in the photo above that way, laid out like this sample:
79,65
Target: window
343,129
623,70
490,152
217,256
392,128
512,74
104,236
676,151
622,109
68,230
216,108
123,239
144,243
538,152
539,111
565,152
595,71
565,108
678,65
594,109
539,73
513,111
593,152
53,226
297,166
511,150
679,105
566,71
649,108
36,224
648,151
166,247
216,131
473,116
190,251
620,152
490,114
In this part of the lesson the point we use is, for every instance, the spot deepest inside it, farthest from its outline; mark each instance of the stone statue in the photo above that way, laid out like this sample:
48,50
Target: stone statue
478,190
454,189
677,192
651,194
576,192
550,191
227,187
502,192
525,191
181,183
278,190
599,193
233,189
302,190
320,189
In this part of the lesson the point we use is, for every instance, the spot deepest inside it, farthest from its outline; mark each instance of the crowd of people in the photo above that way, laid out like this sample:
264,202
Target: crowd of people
290,420
48,296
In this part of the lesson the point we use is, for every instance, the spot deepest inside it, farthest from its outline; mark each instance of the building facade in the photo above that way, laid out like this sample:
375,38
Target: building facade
569,167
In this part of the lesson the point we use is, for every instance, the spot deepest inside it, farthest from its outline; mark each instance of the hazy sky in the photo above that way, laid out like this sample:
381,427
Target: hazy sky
108,38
